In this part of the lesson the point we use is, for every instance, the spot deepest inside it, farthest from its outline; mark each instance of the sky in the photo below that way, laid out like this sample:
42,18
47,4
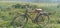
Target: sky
33,0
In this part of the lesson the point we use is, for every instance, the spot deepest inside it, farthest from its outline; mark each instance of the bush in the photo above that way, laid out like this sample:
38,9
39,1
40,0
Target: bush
58,6
24,6
16,6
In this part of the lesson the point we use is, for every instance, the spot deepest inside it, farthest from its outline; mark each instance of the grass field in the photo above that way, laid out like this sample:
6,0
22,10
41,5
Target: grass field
6,17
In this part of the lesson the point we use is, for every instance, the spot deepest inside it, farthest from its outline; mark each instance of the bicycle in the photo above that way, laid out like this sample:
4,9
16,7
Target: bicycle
39,19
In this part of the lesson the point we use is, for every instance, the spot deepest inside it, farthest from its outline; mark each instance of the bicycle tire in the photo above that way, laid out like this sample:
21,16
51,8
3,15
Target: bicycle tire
42,20
20,20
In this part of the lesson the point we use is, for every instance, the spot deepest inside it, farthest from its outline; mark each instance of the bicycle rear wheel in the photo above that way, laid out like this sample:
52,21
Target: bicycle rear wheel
43,20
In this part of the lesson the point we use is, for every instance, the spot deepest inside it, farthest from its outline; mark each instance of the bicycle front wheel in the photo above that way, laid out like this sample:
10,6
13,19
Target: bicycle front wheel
21,21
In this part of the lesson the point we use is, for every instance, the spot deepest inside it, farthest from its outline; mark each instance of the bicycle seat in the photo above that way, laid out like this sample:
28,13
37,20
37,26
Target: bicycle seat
38,10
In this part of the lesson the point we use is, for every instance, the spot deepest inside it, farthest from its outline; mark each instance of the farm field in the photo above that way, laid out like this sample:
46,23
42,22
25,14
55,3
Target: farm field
8,11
